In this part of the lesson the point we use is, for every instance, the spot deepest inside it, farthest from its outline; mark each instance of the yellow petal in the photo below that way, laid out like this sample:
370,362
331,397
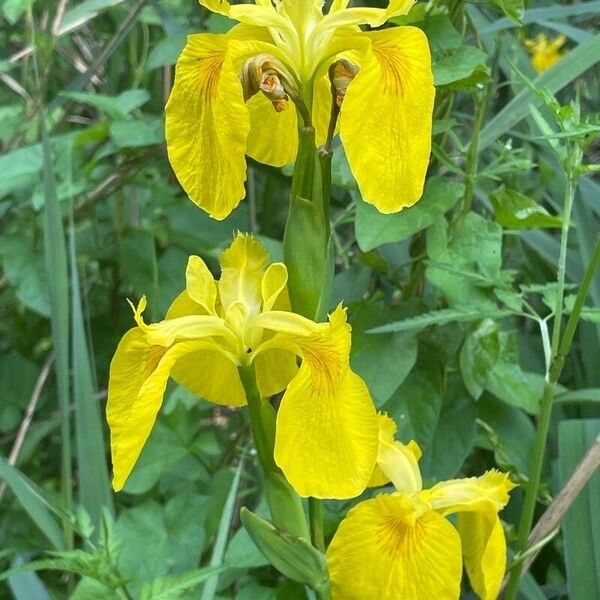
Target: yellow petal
490,491
207,125
274,370
326,439
273,285
321,111
200,284
221,7
484,551
184,306
385,550
138,377
243,265
396,462
211,376
273,137
386,116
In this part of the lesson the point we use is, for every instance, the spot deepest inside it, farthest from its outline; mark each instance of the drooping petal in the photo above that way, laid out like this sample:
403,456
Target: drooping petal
207,125
489,491
386,117
273,137
386,549
138,377
243,265
484,551
274,370
200,284
210,375
396,462
326,439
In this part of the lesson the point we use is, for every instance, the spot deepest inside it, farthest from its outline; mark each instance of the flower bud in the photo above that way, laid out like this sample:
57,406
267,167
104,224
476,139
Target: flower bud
341,73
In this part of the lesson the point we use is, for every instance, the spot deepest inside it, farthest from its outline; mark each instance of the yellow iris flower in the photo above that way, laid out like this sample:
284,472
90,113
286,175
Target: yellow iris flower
386,114
545,53
326,435
400,545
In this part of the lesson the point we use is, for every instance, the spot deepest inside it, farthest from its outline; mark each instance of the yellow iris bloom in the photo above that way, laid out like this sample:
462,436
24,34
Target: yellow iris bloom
400,545
386,114
326,436
545,53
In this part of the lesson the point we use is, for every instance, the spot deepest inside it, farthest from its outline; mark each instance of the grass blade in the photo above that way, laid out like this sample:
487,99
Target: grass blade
55,259
94,486
33,502
216,560
581,528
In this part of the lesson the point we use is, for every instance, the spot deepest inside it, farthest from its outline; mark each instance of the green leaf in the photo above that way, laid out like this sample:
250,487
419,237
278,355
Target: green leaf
453,62
517,211
137,133
384,360
84,11
581,529
294,557
33,503
175,586
478,355
115,107
167,51
373,228
579,396
27,586
513,9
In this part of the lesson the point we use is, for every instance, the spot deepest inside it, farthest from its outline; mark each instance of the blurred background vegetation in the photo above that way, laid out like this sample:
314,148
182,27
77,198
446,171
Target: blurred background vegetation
91,214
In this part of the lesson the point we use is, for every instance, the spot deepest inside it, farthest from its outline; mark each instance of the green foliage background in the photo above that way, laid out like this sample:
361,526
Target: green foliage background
446,298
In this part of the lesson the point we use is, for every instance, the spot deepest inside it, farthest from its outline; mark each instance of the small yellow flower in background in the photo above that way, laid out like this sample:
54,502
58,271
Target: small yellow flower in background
213,119
400,545
326,440
544,52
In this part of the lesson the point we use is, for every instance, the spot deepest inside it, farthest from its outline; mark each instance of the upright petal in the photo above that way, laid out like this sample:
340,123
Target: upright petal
386,549
273,137
138,377
207,125
200,284
386,117
484,551
326,439
396,462
243,265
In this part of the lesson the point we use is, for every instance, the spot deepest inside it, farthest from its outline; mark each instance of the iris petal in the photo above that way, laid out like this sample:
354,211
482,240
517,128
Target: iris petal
385,549
207,125
386,116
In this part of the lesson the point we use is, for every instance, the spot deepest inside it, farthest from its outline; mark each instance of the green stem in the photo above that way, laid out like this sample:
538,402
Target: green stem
552,376
264,447
315,513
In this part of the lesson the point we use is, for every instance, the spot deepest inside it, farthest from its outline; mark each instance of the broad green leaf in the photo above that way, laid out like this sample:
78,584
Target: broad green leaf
478,355
513,9
27,586
454,64
167,51
383,360
374,228
579,396
33,503
137,133
84,11
581,529
517,211
115,107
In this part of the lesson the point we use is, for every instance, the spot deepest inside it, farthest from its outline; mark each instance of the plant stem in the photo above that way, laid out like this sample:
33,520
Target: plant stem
552,375
315,514
261,441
